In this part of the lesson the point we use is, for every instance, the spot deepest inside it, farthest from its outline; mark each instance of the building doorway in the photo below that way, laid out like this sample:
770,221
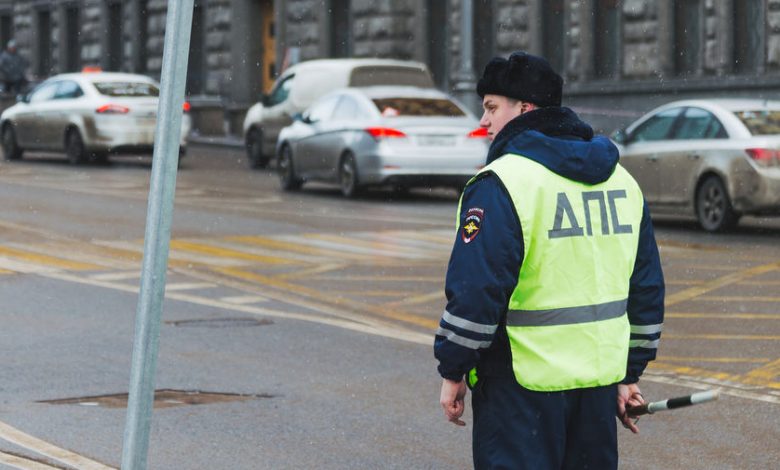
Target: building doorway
268,45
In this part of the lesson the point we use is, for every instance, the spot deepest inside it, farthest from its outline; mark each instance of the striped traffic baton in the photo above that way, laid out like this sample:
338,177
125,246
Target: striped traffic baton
672,403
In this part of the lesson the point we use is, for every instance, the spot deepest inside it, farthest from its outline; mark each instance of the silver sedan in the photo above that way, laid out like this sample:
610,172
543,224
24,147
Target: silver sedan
716,159
87,116
397,136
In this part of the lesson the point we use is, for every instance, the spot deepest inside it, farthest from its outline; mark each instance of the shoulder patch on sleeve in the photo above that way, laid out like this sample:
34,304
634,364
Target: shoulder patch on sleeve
472,224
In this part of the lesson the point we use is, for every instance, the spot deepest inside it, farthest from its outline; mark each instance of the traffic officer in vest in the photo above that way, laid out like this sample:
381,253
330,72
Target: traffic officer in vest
554,286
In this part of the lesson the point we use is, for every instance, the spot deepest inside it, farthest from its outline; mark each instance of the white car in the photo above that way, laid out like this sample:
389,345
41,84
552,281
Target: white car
387,135
716,159
87,116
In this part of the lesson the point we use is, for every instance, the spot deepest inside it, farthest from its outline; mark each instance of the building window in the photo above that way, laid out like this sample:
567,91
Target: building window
195,69
749,29
688,36
484,32
340,29
6,28
114,54
72,48
437,41
43,64
606,47
141,55
553,37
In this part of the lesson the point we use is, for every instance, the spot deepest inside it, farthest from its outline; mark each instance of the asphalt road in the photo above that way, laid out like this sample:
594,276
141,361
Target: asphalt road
308,320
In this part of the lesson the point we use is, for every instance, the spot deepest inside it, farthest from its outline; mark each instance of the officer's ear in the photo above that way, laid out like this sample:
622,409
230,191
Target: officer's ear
526,106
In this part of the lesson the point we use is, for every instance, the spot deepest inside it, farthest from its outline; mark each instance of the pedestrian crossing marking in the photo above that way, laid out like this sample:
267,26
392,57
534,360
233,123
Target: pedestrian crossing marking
767,375
37,258
693,292
297,247
172,286
244,299
16,461
227,253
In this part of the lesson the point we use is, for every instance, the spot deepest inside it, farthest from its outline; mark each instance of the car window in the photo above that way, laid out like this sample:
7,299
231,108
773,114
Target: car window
657,127
347,108
390,107
698,123
127,89
68,89
44,93
761,121
323,109
371,75
280,92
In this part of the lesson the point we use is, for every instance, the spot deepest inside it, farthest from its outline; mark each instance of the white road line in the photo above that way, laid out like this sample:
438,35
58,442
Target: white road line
135,274
42,447
724,388
22,463
244,299
188,286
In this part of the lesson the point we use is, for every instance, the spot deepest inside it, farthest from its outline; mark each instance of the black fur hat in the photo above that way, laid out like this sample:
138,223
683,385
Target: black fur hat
524,77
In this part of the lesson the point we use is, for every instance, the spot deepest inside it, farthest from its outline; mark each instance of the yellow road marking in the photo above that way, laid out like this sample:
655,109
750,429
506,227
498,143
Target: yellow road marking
737,298
329,299
227,253
693,371
6,271
768,375
671,282
42,447
294,247
708,286
308,272
48,260
418,299
726,316
726,337
382,278
725,360
690,246
374,293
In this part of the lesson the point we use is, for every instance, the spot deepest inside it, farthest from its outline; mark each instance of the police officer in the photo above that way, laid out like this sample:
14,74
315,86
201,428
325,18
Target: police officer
554,286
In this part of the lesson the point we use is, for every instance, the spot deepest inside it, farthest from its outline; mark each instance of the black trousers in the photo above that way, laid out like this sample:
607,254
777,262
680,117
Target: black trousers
516,428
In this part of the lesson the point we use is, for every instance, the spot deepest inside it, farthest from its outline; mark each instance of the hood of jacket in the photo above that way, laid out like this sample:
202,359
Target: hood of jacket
556,138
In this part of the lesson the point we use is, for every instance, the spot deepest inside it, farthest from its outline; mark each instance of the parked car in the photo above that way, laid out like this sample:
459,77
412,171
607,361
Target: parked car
716,159
400,136
87,116
300,85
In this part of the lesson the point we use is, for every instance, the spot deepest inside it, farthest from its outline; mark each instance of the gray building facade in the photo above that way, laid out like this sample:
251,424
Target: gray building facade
618,57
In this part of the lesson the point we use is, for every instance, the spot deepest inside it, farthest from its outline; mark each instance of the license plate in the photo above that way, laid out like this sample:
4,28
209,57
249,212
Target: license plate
436,140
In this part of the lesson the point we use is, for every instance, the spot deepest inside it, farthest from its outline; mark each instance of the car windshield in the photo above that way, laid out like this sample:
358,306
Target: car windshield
392,107
761,122
126,89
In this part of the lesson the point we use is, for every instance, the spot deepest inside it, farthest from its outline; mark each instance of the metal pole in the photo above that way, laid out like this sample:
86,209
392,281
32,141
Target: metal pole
158,234
465,84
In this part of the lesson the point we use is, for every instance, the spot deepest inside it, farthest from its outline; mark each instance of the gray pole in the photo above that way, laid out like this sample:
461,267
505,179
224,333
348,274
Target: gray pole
465,84
158,234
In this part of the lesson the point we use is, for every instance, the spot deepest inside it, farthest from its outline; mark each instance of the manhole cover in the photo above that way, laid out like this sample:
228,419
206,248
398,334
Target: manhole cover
165,398
221,322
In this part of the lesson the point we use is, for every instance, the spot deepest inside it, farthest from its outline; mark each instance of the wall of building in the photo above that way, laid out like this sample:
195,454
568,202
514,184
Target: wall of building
646,72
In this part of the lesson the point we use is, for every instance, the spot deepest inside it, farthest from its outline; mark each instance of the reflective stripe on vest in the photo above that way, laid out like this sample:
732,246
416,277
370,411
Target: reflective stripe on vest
567,322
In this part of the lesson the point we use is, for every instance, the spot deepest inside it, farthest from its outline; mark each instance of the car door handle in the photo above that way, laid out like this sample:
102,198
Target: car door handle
652,158
693,156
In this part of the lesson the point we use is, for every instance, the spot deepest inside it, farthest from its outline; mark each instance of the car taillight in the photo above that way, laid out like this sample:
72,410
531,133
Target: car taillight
112,109
478,133
186,107
764,157
384,132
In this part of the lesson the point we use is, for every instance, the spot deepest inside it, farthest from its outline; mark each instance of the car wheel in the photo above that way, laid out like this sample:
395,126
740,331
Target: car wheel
254,149
11,149
348,176
287,177
74,147
713,207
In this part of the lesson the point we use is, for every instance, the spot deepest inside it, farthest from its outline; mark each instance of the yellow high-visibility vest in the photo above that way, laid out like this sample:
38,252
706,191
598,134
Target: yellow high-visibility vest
567,323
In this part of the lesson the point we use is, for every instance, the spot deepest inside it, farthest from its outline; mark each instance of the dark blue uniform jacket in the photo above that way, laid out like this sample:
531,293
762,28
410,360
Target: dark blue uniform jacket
483,272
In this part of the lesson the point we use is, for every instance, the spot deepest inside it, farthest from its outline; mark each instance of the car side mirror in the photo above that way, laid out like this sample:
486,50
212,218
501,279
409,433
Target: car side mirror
264,99
620,136
23,98
298,117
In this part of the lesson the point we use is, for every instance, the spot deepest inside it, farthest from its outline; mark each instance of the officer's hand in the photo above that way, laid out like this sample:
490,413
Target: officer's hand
452,395
628,395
